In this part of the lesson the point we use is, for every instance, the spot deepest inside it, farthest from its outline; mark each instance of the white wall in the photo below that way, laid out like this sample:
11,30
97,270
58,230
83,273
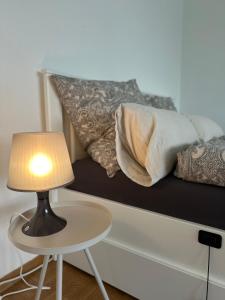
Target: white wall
203,66
105,39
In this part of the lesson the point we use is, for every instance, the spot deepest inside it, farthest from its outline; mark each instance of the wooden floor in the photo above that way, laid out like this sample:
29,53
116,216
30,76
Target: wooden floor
77,285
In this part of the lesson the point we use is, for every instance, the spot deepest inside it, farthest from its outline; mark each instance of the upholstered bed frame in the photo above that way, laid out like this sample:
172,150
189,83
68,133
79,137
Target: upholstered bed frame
148,255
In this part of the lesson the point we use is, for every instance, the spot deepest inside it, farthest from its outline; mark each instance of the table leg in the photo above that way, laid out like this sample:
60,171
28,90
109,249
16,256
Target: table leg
42,277
59,273
97,276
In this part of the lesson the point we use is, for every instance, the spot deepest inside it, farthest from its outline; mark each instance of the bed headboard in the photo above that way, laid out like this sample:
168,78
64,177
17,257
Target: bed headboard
57,120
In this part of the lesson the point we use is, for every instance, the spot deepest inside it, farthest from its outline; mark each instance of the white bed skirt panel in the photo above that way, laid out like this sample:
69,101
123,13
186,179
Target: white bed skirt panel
153,256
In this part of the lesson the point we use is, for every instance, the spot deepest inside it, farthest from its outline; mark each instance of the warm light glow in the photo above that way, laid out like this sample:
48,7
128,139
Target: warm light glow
40,165
39,161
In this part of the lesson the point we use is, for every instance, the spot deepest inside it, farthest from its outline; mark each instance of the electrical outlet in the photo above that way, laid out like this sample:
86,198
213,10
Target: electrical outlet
210,239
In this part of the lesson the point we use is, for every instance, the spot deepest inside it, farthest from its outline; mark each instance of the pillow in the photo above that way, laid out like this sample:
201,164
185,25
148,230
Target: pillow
159,102
91,106
205,127
148,139
203,162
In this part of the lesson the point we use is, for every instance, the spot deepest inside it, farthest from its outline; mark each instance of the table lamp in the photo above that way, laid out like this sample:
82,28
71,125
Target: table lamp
39,162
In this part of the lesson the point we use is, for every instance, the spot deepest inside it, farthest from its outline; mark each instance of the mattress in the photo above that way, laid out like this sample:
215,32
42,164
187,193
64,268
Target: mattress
194,202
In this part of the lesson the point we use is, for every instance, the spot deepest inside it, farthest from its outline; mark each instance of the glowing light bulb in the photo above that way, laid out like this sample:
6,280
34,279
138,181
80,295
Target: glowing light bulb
40,165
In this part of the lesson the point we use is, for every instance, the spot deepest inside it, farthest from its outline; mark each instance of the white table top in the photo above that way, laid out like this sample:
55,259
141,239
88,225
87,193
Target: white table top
87,224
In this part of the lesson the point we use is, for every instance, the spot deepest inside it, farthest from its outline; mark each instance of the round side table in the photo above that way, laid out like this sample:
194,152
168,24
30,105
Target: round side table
87,224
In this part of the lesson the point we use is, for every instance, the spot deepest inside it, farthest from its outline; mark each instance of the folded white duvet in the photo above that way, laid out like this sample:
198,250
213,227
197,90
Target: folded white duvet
148,139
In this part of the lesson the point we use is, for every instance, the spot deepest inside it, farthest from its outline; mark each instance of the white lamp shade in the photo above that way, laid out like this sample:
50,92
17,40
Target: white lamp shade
39,161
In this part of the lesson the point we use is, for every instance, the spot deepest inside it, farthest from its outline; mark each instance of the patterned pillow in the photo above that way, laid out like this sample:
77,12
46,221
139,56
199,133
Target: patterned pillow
159,102
91,106
203,162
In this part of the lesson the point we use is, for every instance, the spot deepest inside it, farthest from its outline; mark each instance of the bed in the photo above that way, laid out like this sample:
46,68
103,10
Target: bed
152,251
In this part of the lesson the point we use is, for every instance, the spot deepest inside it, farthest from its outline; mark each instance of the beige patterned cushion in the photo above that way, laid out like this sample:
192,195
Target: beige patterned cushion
203,162
91,106
159,102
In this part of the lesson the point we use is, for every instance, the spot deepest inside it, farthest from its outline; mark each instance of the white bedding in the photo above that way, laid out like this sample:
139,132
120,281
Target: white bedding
148,139
205,127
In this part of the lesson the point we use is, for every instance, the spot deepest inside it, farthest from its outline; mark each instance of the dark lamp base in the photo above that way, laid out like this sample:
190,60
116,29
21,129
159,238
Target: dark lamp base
45,221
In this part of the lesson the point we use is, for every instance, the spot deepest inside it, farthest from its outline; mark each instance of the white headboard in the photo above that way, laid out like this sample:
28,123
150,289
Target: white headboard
57,120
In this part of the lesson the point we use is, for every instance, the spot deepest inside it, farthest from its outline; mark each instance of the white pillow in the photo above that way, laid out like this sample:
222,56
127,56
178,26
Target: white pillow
205,127
148,139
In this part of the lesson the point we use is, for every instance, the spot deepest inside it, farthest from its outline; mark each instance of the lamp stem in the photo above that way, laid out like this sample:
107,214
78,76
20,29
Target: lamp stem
44,222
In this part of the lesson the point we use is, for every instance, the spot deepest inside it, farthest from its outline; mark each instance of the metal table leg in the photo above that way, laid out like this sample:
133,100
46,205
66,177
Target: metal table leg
59,273
42,277
97,276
